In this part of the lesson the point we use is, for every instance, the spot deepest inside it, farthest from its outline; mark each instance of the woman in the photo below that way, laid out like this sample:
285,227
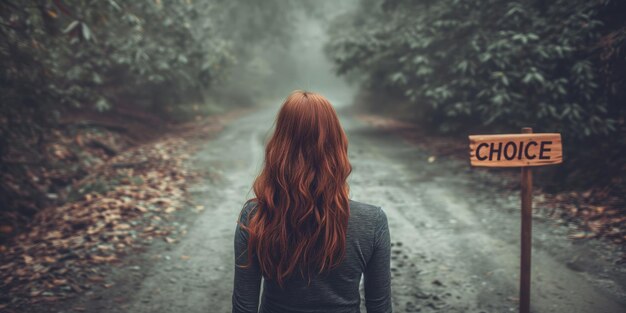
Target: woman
301,233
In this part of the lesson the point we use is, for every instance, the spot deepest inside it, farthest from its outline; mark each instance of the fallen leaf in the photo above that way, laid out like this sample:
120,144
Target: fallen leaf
27,259
95,278
103,259
579,235
6,229
169,240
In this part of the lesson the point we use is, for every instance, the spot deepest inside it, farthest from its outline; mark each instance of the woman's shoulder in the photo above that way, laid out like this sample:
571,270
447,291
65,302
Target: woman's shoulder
366,211
247,210
364,206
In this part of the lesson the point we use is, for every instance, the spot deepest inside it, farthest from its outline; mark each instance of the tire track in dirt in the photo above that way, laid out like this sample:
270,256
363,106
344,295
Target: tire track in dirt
467,246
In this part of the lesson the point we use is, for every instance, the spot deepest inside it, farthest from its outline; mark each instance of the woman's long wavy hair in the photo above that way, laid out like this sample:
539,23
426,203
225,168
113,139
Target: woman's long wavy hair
302,212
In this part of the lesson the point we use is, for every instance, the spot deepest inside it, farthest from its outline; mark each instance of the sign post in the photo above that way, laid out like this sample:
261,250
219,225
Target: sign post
526,235
519,150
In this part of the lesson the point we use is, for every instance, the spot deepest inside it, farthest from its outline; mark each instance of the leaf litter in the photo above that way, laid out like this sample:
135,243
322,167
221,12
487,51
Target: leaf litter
66,248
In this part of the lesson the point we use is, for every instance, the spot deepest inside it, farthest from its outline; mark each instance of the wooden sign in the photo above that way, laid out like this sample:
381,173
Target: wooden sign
515,150
519,150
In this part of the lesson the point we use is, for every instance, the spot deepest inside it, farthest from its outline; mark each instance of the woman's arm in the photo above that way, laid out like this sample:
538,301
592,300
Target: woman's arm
247,284
377,274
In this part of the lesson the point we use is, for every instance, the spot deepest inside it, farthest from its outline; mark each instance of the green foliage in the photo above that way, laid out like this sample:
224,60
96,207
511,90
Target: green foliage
90,53
168,57
160,56
95,52
491,63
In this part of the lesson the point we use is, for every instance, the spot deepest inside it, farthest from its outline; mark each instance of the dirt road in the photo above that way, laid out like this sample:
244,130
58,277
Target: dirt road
454,230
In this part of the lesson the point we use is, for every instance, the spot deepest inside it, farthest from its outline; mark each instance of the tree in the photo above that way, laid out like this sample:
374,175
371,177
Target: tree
495,65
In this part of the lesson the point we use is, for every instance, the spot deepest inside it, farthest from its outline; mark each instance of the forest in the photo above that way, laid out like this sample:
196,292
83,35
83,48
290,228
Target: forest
71,65
496,66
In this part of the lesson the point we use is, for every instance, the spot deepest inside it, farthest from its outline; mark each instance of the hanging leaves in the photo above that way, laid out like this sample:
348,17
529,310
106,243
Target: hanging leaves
508,64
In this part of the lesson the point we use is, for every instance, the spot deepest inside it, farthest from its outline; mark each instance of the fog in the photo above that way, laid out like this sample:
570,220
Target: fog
276,69
310,66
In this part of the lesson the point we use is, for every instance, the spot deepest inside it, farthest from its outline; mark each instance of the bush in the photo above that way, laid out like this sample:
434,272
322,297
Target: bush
494,65
491,62
95,52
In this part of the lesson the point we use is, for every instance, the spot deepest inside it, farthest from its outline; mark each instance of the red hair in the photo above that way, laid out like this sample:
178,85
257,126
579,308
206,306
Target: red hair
301,218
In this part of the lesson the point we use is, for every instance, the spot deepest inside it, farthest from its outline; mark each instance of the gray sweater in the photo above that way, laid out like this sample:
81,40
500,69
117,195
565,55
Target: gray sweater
335,291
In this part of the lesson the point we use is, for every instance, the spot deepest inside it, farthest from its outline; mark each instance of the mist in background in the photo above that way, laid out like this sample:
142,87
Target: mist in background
275,69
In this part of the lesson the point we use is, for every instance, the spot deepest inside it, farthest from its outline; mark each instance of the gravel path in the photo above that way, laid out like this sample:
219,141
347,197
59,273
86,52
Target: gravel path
454,231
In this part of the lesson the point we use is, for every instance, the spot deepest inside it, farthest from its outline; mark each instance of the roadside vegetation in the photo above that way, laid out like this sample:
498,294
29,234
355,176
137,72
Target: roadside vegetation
82,81
492,66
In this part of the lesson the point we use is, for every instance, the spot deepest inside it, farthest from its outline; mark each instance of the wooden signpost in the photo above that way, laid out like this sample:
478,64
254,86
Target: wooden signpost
519,150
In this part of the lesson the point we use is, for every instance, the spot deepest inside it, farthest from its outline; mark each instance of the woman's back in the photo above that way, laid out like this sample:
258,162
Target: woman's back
337,290
301,232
